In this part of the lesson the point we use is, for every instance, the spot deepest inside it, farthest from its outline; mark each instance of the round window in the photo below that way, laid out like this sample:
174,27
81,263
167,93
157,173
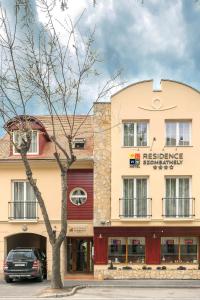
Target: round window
78,196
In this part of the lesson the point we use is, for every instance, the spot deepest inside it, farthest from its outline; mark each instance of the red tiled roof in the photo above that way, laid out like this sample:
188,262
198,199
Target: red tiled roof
85,131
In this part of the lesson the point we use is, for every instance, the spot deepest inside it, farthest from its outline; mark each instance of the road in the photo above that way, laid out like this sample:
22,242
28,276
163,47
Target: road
108,293
22,289
137,294
109,290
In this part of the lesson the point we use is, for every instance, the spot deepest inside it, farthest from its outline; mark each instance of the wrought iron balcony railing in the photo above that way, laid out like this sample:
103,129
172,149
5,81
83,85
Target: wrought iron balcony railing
22,210
178,207
135,207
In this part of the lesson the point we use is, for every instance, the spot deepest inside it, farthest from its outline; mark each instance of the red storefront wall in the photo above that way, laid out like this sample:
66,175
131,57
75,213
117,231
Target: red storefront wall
82,179
152,236
100,250
152,250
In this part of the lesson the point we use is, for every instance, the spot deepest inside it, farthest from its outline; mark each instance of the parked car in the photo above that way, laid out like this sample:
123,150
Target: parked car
24,263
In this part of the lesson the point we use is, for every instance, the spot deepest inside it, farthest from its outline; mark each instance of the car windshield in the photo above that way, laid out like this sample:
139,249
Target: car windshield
20,255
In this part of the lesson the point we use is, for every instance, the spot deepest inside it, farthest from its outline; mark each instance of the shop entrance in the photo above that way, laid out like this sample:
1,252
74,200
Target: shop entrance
79,255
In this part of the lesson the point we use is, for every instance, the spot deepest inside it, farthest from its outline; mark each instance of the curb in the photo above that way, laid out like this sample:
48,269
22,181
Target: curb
146,286
60,295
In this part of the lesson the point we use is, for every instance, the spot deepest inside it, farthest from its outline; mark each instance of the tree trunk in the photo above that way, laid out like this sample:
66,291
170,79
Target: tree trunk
56,281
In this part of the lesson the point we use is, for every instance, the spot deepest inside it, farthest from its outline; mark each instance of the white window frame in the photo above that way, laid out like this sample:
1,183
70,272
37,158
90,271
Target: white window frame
78,188
13,200
177,196
135,205
177,122
28,153
135,122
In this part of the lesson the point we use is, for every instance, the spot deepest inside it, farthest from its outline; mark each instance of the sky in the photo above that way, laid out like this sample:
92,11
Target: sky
146,39
149,39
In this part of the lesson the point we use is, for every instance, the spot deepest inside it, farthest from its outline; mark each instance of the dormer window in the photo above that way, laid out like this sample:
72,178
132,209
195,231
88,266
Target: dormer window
79,143
17,139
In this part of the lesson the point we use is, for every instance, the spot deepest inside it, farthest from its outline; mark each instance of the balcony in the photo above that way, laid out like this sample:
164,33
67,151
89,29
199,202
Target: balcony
180,208
22,210
136,208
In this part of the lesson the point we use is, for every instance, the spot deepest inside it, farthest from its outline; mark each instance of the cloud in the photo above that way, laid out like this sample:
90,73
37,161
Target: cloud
154,40
158,39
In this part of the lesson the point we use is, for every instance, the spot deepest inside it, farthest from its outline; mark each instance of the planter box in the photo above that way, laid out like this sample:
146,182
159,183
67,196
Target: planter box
146,274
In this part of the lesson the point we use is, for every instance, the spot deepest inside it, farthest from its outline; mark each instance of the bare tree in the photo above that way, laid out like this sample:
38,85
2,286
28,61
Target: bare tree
53,69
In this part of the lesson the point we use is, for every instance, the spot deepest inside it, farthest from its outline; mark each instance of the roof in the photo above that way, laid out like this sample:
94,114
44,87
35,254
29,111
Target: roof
85,130
151,81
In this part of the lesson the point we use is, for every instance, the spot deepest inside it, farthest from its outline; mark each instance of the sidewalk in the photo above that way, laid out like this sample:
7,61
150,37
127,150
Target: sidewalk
146,283
135,284
33,289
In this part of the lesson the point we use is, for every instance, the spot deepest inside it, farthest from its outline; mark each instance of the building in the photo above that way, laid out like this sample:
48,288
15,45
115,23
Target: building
21,221
133,193
147,146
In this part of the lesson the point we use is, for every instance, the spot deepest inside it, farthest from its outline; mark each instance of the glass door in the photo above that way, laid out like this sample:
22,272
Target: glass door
79,255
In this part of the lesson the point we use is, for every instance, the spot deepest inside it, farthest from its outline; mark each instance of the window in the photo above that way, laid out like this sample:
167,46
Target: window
135,134
79,143
136,250
179,249
78,196
188,249
127,250
178,202
169,249
134,202
178,133
117,250
23,205
17,139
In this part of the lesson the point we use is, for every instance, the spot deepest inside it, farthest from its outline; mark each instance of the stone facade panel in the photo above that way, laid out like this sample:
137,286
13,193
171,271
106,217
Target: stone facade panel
102,163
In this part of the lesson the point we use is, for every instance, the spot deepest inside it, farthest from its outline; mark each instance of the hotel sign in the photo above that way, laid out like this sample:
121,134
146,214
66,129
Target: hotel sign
158,161
80,229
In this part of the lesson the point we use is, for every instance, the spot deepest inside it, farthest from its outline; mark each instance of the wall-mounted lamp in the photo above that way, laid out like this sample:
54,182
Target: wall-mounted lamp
24,227
105,222
154,236
100,236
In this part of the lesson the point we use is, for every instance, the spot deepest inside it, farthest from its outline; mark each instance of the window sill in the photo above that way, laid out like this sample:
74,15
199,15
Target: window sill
28,154
23,221
178,146
135,147
162,263
178,219
134,219
178,263
124,264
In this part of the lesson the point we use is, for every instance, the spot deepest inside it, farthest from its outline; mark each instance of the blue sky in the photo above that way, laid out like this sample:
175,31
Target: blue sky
149,39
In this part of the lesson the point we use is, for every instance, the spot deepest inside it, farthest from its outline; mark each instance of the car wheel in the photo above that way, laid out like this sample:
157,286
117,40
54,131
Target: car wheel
8,279
41,277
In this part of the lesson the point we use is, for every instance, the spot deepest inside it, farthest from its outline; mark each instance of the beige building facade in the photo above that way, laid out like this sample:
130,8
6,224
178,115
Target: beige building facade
137,213
154,174
21,221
